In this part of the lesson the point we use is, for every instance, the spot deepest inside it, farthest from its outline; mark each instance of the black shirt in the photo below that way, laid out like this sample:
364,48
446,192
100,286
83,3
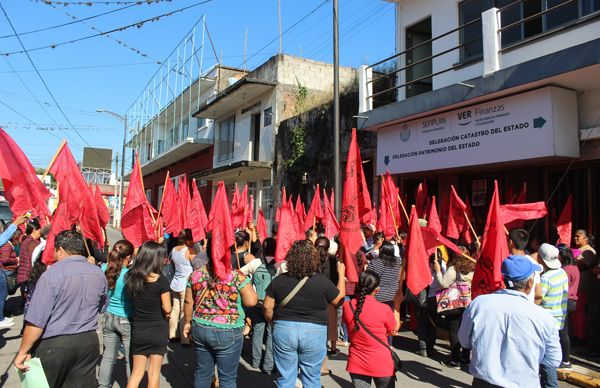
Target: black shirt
148,306
309,304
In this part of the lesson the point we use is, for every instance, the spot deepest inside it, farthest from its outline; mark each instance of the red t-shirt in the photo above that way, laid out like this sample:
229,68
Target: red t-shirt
366,356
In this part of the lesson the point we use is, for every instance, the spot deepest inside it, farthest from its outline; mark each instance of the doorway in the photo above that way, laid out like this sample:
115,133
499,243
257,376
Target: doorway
255,133
420,72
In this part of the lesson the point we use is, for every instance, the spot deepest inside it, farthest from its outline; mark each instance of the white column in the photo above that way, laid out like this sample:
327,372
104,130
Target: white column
490,21
365,89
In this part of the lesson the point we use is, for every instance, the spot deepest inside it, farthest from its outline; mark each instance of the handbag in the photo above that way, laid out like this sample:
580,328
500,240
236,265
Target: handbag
395,357
11,282
419,300
168,270
457,296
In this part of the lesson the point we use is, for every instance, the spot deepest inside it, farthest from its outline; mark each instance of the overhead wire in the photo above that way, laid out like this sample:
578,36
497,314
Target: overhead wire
90,3
137,24
83,67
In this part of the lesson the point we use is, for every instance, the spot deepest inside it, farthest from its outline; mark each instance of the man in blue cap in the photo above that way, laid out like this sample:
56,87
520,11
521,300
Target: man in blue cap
509,337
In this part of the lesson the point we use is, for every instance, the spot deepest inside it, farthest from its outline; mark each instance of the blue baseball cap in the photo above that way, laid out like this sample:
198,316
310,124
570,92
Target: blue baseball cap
517,268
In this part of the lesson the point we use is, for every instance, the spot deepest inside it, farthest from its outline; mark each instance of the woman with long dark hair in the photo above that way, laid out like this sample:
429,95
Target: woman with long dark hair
151,298
565,255
585,318
367,360
328,268
387,266
297,302
116,329
214,317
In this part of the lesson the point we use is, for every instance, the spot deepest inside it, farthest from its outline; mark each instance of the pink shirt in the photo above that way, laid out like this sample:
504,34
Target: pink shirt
573,274
366,356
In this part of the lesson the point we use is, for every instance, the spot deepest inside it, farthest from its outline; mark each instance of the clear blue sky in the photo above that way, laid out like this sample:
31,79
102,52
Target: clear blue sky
100,73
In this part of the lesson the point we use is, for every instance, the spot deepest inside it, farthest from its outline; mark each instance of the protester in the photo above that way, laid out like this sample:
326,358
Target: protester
460,269
116,329
555,293
181,257
367,360
8,266
214,318
241,255
16,241
387,266
262,271
517,242
297,302
328,267
31,240
587,316
37,252
426,306
509,337
64,314
565,255
151,299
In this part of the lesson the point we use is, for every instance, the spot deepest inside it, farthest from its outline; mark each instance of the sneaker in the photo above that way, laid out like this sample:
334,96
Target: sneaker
422,352
565,365
9,319
6,323
450,364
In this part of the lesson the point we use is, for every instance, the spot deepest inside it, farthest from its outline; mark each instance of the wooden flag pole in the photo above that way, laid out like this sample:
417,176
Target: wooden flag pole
162,199
62,144
403,208
471,227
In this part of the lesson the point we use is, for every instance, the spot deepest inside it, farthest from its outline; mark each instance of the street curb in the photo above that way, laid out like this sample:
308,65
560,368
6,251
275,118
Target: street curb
579,379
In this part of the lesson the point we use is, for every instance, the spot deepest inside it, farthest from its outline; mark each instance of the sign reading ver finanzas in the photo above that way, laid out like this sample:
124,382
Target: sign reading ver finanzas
537,124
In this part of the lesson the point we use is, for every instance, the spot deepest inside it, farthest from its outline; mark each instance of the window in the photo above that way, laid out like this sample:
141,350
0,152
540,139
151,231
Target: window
267,200
200,122
176,135
471,35
268,116
149,151
226,138
419,74
185,129
170,139
149,195
160,147
161,190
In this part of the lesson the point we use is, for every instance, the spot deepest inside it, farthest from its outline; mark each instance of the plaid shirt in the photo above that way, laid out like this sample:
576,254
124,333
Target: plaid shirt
27,247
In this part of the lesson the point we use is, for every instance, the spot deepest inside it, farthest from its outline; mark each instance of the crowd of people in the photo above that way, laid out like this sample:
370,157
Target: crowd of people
294,312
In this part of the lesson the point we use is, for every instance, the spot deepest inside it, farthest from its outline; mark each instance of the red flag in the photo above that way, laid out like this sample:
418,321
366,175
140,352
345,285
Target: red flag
300,211
388,223
494,249
137,223
22,188
315,212
75,194
356,203
183,201
287,232
332,199
421,199
418,272
466,232
239,202
60,222
433,220
393,205
169,208
332,227
522,197
249,212
432,239
456,215
261,225
197,215
564,224
222,233
523,211
103,215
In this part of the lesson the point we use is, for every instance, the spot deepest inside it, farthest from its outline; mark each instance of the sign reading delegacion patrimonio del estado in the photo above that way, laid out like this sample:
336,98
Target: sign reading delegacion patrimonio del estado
537,124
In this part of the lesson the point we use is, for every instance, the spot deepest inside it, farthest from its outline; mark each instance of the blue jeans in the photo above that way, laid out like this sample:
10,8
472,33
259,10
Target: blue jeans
299,345
3,291
116,330
549,376
258,334
220,346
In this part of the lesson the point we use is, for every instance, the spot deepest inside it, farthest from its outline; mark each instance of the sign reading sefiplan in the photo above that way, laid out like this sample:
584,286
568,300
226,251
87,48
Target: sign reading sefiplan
537,124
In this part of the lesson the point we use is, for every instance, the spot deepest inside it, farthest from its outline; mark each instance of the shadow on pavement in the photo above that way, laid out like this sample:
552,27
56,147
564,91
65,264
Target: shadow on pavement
429,374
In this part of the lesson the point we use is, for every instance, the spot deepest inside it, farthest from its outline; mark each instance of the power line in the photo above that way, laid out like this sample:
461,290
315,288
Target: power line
83,67
90,3
44,81
69,23
137,24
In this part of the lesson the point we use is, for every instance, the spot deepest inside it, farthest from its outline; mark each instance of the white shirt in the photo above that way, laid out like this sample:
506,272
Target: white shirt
37,250
536,280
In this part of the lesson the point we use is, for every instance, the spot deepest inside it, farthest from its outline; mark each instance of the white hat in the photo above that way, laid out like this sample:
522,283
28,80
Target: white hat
549,254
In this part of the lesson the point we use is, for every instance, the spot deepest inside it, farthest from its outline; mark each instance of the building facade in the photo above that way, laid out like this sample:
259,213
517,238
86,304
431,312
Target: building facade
484,90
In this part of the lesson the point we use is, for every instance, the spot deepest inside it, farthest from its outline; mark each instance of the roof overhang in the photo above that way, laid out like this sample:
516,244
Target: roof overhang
188,147
249,170
233,97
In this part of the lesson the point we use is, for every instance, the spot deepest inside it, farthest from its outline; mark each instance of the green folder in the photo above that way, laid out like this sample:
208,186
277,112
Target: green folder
35,376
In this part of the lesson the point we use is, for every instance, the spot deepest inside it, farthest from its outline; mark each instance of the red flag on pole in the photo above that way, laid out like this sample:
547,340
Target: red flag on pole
249,212
393,205
433,220
456,215
523,211
421,199
287,232
103,215
169,208
300,210
565,223
222,233
315,211
137,223
60,222
183,200
22,188
197,215
432,239
494,249
418,272
355,202
388,223
332,227
261,225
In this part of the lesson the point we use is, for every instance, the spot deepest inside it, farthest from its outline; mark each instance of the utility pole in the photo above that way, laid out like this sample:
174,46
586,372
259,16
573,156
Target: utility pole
336,110
279,17
245,47
122,169
115,198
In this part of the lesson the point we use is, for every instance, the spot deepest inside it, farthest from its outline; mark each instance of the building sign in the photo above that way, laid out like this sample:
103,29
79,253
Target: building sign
537,124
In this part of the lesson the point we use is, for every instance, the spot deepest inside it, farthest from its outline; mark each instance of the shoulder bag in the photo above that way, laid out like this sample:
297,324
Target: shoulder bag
395,357
453,298
293,293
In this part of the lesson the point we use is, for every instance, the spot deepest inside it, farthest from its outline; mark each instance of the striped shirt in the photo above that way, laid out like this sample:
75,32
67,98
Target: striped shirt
68,298
555,294
389,277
